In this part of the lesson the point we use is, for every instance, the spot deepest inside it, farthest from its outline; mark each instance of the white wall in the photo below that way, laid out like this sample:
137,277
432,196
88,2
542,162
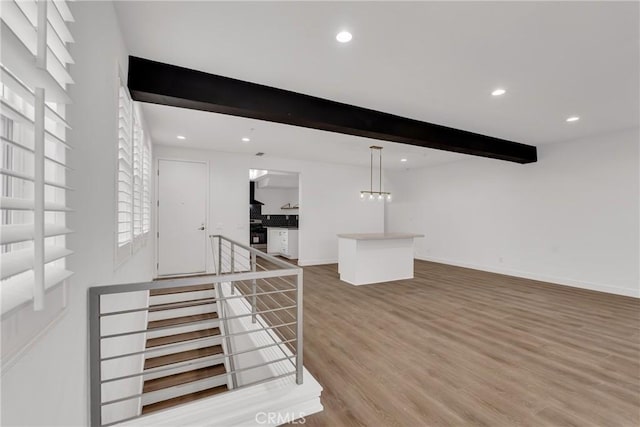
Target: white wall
329,199
329,204
275,198
571,218
49,384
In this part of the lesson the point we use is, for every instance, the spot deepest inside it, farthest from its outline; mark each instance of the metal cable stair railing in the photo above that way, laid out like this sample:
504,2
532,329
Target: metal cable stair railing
238,327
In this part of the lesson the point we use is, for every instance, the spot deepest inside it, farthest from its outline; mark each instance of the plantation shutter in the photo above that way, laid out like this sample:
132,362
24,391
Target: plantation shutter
138,138
125,174
33,131
146,186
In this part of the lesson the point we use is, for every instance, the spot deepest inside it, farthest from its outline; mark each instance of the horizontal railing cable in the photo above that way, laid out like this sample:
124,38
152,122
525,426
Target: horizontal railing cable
275,288
219,356
190,281
259,365
134,310
144,331
275,314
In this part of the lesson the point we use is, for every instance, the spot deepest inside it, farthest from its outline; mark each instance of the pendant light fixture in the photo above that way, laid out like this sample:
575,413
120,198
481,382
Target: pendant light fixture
370,194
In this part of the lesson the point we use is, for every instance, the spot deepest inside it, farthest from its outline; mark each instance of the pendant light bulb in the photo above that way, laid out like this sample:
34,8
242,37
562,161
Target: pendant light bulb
388,197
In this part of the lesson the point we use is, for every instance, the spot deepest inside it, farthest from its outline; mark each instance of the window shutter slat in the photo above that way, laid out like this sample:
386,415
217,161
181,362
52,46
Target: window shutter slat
17,262
57,46
14,233
14,114
58,70
16,144
26,177
10,203
63,10
58,24
57,162
16,19
30,10
16,85
18,290
18,116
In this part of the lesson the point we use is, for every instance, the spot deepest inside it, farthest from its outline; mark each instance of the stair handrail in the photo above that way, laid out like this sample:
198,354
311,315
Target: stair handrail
219,277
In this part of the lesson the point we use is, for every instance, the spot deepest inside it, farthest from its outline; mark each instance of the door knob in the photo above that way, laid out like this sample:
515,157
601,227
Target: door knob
201,228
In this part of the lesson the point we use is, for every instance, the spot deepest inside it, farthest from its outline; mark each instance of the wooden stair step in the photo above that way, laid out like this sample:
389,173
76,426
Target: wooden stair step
182,356
181,304
154,324
183,378
158,406
186,336
181,289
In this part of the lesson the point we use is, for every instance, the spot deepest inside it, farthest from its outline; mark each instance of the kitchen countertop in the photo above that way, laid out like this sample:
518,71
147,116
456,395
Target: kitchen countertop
379,236
283,227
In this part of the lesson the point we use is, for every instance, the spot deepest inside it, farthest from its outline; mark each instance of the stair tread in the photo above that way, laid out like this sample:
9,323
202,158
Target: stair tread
181,289
183,378
181,304
181,320
182,356
164,404
186,336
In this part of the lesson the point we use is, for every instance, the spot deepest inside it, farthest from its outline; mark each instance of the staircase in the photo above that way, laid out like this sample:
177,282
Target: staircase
192,368
162,349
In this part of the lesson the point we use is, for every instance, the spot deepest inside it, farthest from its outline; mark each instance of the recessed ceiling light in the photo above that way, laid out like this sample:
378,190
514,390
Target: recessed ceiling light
403,160
344,36
498,92
181,137
573,119
245,139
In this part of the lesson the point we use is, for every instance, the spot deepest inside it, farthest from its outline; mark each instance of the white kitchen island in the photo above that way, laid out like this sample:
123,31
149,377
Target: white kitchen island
375,257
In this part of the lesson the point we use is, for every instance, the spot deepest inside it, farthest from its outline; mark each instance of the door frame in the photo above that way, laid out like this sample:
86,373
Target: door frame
157,214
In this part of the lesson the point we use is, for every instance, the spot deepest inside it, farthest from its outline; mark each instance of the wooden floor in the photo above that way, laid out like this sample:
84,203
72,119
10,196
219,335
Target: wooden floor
461,347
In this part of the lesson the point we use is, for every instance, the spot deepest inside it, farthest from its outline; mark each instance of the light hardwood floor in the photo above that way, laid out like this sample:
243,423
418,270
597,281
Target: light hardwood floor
462,347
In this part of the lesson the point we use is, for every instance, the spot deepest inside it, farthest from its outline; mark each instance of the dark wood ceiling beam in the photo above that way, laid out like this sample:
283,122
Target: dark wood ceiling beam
165,84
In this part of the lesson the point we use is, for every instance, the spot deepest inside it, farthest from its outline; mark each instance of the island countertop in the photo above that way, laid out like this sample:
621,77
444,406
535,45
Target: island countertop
379,236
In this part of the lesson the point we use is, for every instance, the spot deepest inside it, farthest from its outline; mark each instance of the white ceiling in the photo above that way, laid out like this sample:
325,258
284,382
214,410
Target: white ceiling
224,133
433,61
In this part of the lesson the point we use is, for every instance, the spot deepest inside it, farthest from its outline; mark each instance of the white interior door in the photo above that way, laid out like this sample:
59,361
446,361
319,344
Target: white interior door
182,234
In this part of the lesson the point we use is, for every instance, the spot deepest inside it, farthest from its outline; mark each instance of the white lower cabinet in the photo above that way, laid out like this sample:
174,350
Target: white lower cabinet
282,241
273,243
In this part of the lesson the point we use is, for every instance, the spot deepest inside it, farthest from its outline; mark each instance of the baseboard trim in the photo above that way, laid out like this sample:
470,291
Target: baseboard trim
311,262
635,293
